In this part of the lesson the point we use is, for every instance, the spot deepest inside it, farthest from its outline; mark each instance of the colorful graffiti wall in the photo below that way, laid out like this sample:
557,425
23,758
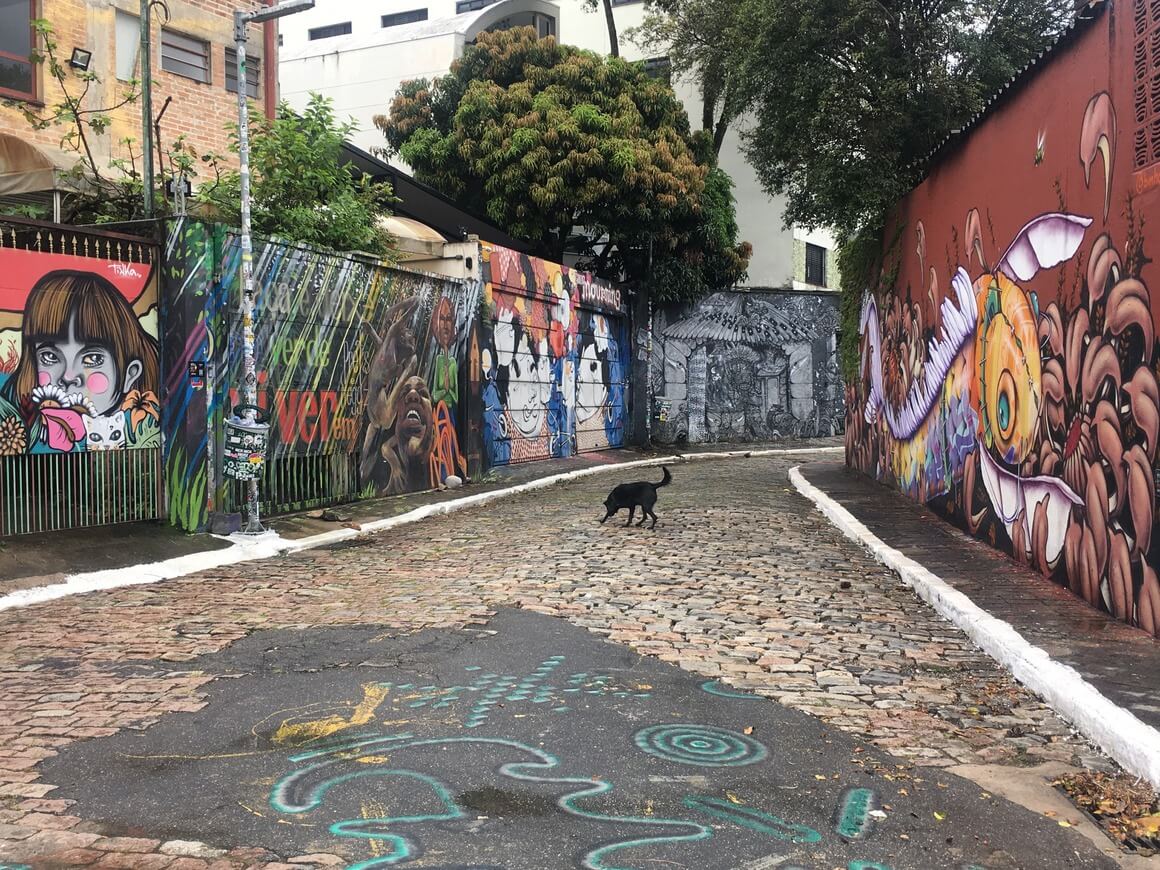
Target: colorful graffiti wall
550,362
1009,373
78,377
747,367
78,351
358,373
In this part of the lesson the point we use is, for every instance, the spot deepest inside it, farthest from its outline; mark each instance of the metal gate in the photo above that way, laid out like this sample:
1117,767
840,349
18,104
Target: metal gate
80,438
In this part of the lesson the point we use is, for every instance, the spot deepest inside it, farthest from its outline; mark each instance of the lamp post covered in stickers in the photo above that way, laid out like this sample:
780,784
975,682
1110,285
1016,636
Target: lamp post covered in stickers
249,367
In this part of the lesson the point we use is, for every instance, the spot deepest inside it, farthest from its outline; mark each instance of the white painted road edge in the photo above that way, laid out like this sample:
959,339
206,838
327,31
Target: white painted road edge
1118,732
248,548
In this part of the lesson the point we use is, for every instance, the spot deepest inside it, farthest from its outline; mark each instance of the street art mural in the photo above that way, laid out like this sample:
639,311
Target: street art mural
78,352
1022,400
553,360
747,367
357,369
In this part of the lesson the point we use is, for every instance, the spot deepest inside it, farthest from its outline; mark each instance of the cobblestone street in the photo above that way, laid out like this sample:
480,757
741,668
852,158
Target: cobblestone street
742,581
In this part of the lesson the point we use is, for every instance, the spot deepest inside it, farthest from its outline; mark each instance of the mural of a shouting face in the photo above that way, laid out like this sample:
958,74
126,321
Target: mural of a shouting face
414,431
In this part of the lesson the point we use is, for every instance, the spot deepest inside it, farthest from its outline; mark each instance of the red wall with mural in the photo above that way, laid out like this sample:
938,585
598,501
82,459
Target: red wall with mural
1009,356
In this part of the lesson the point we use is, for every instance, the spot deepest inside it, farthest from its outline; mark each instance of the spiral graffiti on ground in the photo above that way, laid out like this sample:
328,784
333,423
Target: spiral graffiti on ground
700,745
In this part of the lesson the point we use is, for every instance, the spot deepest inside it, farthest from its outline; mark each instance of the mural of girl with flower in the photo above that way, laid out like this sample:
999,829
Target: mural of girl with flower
87,375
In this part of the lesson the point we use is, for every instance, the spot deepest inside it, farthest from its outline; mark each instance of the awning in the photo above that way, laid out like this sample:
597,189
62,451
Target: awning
408,228
27,168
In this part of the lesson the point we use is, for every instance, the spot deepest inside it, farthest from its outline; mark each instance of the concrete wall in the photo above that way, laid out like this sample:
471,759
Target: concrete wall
1009,361
746,366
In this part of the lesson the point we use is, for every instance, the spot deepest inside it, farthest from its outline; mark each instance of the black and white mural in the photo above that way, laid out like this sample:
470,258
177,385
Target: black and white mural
747,366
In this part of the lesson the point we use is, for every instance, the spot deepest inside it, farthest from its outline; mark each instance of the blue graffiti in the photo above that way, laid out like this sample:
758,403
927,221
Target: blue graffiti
713,687
700,745
753,819
305,789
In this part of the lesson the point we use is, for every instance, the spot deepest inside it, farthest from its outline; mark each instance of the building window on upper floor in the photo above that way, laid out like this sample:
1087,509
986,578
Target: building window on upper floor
472,5
408,17
659,68
128,45
329,30
815,265
185,56
17,74
253,73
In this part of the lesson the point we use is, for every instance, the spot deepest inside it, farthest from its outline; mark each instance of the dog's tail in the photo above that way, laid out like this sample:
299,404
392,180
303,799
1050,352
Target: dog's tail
667,479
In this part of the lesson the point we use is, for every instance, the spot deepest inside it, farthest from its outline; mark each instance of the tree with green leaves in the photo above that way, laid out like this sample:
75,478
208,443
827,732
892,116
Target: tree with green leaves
844,100
575,153
299,187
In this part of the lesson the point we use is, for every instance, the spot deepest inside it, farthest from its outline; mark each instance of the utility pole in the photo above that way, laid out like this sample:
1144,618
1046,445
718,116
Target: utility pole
147,105
249,363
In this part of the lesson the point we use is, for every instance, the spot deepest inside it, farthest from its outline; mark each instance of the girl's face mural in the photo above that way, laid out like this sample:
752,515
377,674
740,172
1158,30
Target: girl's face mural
525,402
87,368
591,390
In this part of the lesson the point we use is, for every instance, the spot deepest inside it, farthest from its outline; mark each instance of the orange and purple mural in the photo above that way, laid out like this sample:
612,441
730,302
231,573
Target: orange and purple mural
1009,361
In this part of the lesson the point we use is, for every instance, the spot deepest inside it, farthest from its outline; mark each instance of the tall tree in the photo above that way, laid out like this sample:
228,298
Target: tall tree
848,97
609,20
573,151
695,35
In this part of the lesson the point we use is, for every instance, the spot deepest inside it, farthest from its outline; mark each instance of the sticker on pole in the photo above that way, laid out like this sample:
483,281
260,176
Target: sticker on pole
244,451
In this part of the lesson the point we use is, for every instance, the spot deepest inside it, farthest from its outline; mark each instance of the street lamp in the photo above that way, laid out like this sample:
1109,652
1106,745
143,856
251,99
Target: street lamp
249,368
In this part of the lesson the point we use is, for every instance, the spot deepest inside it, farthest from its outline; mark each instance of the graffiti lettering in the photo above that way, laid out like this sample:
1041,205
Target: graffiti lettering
601,295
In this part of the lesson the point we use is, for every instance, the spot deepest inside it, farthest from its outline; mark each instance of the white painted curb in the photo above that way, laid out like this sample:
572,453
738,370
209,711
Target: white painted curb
248,548
1118,732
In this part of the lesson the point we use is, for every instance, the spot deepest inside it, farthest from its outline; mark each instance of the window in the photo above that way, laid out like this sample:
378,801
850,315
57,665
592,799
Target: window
128,44
408,17
659,68
17,76
185,56
330,30
1146,79
471,5
253,73
815,265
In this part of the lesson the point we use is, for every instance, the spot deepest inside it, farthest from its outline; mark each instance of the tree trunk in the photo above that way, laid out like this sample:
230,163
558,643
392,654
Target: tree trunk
613,43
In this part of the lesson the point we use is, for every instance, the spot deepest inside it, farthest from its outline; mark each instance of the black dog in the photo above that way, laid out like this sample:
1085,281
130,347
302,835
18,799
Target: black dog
629,495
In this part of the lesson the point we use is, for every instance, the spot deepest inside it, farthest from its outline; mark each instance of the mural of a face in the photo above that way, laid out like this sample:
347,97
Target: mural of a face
413,419
444,324
591,389
525,402
87,368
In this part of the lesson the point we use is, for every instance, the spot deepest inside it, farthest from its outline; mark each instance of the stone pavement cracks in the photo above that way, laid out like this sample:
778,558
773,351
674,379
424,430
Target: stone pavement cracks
742,581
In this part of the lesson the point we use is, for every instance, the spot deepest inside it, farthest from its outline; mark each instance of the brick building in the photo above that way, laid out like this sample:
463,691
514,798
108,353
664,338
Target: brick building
192,64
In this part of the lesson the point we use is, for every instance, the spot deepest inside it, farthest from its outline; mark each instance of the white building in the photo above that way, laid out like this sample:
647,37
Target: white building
358,52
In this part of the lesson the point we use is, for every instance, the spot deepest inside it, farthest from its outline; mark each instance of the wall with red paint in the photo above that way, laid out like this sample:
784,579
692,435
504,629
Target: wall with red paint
1009,356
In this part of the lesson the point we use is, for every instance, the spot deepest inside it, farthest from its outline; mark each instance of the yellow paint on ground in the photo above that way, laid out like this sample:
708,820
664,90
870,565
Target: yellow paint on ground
374,810
298,733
